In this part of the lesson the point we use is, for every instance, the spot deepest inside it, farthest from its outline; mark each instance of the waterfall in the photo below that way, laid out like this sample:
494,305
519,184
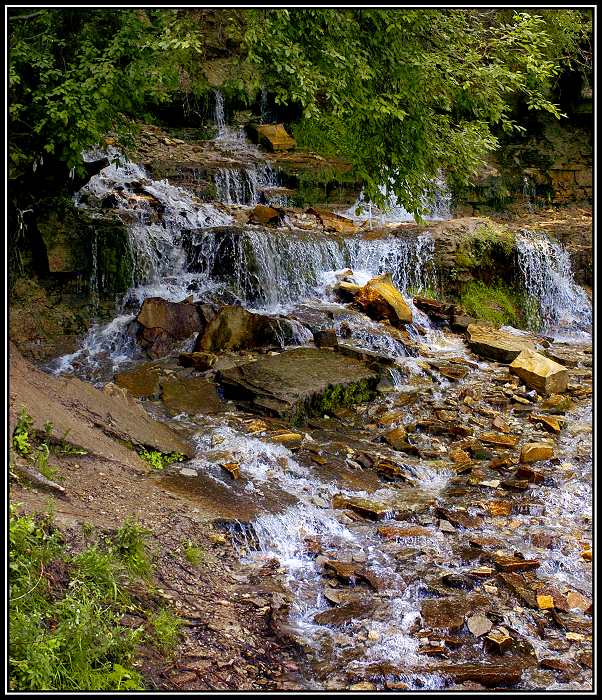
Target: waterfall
248,185
394,212
547,276
269,270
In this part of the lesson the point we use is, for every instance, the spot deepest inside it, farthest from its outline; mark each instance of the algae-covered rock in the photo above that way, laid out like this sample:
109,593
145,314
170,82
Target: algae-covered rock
381,300
235,328
301,382
540,373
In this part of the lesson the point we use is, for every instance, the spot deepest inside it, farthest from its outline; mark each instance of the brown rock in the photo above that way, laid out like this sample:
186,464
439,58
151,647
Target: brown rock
531,475
326,338
513,564
449,613
433,308
551,424
142,381
479,625
264,215
497,508
366,508
381,300
344,570
391,532
343,614
498,439
498,640
490,675
199,360
397,438
233,468
178,320
494,344
460,518
274,137
346,290
540,373
334,222
577,601
235,328
536,452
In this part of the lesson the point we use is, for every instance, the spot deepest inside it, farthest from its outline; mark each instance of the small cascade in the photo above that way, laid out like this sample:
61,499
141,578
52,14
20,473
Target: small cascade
271,271
394,213
547,276
250,186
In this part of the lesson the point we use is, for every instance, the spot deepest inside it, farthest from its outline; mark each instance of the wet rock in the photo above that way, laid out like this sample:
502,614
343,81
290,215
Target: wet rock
495,344
235,328
540,373
289,439
264,215
498,641
326,338
362,506
577,601
298,383
565,669
345,570
390,532
233,468
201,361
381,300
449,613
346,291
143,381
391,471
499,508
458,581
531,475
397,438
545,602
162,322
514,564
192,395
344,613
536,452
460,518
433,308
460,322
479,625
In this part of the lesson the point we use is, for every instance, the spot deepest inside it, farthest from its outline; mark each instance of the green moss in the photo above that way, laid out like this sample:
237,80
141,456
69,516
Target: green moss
488,246
160,460
334,397
497,304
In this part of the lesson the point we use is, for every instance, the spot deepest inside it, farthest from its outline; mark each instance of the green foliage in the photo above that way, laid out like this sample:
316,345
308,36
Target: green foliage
194,555
130,546
160,460
22,432
497,304
166,630
406,93
64,615
486,247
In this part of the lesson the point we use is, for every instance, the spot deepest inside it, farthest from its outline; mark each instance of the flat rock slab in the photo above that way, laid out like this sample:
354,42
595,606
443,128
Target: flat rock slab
192,395
495,344
301,382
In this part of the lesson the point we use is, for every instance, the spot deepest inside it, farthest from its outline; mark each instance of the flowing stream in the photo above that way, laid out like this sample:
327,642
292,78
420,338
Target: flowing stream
182,247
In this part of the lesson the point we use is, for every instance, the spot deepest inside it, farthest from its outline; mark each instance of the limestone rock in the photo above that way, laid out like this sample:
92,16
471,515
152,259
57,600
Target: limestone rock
540,373
300,382
162,323
199,360
535,452
346,290
397,438
495,344
362,506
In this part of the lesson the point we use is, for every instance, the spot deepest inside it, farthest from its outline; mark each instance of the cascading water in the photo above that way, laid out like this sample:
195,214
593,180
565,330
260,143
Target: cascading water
545,267
394,212
249,185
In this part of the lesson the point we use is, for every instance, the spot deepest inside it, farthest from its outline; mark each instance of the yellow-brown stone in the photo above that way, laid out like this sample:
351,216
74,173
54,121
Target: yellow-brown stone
540,373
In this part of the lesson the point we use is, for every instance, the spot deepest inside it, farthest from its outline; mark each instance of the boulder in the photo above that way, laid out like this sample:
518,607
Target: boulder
381,300
433,308
161,323
264,215
495,344
198,360
300,382
333,222
326,338
235,328
346,290
540,373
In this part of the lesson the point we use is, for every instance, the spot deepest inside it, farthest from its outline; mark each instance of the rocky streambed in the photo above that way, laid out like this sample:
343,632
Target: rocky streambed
405,491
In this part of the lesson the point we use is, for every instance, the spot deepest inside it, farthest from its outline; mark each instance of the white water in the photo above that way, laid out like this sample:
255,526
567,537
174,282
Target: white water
393,212
547,276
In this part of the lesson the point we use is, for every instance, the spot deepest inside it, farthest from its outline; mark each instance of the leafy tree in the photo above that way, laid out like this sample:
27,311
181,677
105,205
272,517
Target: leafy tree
404,93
